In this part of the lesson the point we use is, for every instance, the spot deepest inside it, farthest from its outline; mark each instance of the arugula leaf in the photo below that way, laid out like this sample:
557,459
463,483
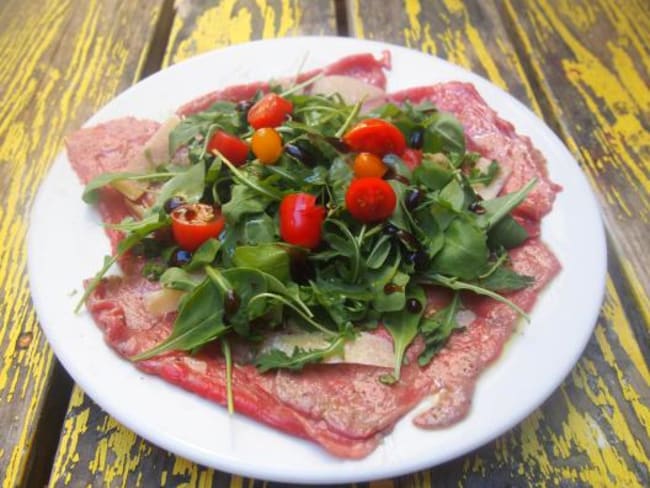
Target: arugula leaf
275,358
347,245
432,174
153,270
244,201
122,248
379,252
398,165
498,208
403,327
129,224
400,217
455,284
258,229
245,284
453,196
221,114
465,252
178,279
390,295
437,329
339,177
227,356
188,184
504,280
269,258
476,176
205,254
444,134
507,233
199,320
91,190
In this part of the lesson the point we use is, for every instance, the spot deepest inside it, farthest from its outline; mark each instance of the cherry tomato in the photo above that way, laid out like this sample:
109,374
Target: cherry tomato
375,136
412,158
367,164
370,199
195,223
301,220
267,145
232,147
269,111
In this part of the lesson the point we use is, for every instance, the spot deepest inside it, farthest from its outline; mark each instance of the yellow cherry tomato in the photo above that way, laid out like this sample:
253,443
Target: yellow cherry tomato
267,145
367,164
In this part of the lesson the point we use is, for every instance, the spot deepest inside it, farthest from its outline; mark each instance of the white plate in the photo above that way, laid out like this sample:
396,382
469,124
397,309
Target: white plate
67,244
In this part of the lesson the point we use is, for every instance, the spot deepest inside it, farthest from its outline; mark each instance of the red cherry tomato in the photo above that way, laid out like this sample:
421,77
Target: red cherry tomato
412,158
269,111
370,199
232,147
195,223
375,136
301,220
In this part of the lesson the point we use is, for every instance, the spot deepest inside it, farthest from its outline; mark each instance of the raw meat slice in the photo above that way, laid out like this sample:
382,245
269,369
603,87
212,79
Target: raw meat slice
493,138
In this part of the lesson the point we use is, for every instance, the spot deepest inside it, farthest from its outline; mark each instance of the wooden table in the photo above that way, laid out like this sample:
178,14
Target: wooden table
583,66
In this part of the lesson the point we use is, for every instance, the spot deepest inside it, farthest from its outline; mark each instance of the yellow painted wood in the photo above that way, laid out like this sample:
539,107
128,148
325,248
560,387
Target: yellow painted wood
201,25
593,62
595,430
59,61
95,448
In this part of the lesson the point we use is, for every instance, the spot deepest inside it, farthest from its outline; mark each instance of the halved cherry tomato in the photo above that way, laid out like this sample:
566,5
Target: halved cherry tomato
375,136
195,223
269,111
232,147
301,220
367,164
267,145
412,158
370,199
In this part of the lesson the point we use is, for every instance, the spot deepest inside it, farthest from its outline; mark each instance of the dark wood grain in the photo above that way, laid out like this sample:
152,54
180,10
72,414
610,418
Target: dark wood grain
60,61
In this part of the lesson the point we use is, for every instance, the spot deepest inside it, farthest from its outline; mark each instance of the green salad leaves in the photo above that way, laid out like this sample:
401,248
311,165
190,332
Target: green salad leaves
248,282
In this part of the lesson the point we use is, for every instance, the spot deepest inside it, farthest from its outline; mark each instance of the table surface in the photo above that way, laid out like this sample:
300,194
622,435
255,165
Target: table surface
583,66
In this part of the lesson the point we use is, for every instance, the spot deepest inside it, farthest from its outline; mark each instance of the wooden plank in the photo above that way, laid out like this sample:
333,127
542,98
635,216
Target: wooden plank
200,25
95,449
592,60
594,430
60,62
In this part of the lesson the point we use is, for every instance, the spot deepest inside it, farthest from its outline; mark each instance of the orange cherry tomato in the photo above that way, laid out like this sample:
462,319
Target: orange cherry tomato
370,199
232,147
195,223
269,111
367,164
301,220
375,136
267,145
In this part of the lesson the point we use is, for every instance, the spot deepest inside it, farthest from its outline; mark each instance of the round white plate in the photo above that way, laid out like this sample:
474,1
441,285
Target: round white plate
67,245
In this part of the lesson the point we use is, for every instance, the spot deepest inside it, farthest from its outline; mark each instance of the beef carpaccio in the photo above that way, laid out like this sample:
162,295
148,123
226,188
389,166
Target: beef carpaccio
343,407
